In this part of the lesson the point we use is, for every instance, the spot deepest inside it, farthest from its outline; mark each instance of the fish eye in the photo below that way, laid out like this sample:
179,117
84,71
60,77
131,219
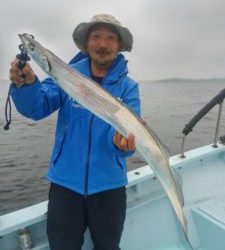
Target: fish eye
31,47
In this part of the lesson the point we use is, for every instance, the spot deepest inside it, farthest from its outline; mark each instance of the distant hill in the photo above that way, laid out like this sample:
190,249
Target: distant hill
176,79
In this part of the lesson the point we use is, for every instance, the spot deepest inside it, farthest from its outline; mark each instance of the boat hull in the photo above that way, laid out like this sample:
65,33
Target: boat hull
151,222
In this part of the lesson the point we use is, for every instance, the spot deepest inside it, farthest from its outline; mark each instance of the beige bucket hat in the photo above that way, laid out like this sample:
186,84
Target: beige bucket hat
81,31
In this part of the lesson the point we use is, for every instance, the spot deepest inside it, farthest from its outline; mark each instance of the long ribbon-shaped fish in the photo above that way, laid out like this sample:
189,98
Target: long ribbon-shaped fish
104,105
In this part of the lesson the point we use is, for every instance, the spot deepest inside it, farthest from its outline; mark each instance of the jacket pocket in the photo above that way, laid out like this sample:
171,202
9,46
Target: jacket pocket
58,146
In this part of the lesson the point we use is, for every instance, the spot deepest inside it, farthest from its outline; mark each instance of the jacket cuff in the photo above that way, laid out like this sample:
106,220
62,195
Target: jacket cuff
25,93
26,89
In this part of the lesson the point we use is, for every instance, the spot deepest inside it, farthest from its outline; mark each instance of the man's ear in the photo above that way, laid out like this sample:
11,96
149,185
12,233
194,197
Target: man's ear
120,46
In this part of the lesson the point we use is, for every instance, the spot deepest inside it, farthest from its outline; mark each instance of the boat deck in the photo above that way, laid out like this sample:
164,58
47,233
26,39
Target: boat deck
151,223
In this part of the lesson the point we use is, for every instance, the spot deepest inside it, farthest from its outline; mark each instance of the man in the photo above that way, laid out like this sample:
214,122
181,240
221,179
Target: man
87,169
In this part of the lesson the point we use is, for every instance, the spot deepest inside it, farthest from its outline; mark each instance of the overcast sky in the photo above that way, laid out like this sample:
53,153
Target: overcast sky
172,38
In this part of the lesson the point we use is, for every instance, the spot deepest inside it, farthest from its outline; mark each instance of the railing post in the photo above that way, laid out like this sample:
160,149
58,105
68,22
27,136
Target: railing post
218,125
182,148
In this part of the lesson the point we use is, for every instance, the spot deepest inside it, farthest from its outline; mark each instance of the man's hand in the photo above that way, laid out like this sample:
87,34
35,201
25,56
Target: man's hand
123,143
20,76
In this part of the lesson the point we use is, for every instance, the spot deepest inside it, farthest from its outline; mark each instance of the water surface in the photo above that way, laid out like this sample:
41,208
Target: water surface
26,148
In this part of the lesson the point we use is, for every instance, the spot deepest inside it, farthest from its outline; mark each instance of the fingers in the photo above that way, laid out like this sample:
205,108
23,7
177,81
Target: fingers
29,74
118,138
19,76
131,142
15,74
123,143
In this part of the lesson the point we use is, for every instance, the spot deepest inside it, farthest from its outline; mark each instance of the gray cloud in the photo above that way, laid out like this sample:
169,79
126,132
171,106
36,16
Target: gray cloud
171,38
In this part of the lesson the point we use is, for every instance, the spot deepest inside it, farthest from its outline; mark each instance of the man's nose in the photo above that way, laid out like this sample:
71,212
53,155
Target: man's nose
103,43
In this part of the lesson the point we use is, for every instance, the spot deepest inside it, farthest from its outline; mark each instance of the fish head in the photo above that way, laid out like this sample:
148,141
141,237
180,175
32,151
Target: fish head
36,51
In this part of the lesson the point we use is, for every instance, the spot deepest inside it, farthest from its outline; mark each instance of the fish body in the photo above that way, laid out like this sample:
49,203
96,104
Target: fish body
104,105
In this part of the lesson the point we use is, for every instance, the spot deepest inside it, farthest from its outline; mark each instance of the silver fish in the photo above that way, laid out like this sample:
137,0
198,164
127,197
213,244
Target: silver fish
104,105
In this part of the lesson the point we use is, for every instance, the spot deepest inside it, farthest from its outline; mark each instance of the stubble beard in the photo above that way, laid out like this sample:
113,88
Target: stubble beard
102,63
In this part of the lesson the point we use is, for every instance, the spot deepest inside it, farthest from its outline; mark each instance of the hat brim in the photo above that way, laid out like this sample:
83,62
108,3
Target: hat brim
81,31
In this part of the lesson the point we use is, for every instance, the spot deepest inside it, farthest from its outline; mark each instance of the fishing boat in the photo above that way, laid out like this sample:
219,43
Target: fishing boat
151,222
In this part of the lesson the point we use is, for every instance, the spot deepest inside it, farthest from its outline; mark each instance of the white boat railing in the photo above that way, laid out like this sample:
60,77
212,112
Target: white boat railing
218,99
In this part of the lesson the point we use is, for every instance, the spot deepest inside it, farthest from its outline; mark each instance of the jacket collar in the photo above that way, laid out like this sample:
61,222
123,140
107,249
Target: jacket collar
117,69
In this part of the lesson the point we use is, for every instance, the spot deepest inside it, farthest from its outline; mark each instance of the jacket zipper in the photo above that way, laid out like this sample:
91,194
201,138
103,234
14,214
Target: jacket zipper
88,157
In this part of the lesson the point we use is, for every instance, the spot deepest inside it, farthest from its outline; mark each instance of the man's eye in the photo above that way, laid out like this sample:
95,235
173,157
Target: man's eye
95,36
112,38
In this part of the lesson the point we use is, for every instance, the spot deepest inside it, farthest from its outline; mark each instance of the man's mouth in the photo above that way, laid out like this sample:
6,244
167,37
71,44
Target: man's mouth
102,52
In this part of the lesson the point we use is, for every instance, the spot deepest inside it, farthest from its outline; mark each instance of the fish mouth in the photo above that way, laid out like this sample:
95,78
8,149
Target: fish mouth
22,39
28,42
26,38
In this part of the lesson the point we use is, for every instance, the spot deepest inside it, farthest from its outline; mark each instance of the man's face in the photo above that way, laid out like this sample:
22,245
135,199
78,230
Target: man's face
102,46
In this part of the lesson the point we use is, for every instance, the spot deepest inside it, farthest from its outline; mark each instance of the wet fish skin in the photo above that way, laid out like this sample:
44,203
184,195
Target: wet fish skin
104,105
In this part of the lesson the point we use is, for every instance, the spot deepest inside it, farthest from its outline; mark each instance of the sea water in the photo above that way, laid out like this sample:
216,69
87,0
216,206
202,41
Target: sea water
167,106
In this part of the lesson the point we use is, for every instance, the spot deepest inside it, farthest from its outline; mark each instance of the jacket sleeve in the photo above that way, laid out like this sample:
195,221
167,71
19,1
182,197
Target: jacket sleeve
37,100
131,98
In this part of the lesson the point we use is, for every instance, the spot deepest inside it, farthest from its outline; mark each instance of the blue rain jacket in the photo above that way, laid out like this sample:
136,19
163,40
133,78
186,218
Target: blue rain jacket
84,158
